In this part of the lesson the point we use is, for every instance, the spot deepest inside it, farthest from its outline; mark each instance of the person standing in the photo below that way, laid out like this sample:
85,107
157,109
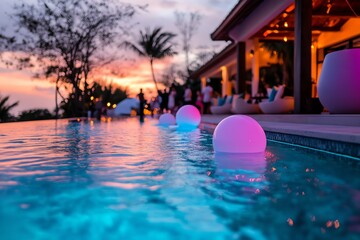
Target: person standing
199,102
187,95
207,95
164,101
142,103
171,103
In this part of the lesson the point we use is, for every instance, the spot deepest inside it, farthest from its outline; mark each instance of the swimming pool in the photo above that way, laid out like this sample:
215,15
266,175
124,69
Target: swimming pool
126,180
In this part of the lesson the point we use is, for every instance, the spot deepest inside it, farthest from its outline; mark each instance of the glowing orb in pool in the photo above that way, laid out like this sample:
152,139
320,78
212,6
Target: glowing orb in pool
188,116
239,134
167,119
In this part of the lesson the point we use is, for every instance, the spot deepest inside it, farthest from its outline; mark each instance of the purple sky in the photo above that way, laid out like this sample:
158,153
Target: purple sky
40,93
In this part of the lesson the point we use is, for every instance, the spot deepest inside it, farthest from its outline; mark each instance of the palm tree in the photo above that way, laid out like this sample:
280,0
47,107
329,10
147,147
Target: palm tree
5,108
284,51
153,44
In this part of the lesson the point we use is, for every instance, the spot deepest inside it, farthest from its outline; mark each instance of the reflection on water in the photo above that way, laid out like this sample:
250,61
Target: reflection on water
126,180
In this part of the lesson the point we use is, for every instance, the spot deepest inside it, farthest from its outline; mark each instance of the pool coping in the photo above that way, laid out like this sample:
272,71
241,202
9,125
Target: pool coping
343,140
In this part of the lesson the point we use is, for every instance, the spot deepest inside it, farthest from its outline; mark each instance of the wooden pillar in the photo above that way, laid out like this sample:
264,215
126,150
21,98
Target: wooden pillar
255,68
203,82
302,56
240,68
225,81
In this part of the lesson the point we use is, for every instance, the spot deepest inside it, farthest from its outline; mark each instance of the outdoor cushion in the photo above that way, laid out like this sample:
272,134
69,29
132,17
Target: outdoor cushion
221,101
280,92
272,94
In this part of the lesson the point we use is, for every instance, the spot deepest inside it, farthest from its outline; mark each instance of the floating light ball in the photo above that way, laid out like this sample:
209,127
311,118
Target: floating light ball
167,119
188,116
239,134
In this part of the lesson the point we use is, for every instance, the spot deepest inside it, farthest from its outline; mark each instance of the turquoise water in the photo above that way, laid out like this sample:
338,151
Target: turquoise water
126,180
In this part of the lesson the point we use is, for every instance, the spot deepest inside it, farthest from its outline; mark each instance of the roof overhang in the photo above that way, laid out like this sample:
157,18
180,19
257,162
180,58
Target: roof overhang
224,57
236,15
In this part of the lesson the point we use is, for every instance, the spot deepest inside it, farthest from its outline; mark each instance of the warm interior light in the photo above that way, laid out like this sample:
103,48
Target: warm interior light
312,46
286,24
285,39
328,5
284,15
251,53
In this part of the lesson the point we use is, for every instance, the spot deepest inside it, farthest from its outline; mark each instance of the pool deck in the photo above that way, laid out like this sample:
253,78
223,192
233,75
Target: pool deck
335,133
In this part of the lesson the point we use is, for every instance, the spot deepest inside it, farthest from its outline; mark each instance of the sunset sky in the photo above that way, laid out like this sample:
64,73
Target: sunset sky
35,93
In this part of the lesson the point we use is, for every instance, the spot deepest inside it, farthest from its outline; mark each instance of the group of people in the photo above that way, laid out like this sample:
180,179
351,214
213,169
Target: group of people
170,101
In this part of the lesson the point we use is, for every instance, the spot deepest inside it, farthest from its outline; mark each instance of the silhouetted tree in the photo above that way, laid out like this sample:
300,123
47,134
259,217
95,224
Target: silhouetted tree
187,25
153,44
283,51
5,108
111,93
35,114
66,39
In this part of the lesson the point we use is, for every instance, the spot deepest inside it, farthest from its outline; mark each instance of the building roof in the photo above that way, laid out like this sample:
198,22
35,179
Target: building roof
215,60
241,10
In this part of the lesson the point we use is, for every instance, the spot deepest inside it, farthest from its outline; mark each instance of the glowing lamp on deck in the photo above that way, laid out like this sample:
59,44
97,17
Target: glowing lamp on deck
167,119
188,116
239,134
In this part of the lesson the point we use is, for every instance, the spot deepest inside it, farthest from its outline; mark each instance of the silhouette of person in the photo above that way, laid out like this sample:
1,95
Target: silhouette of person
142,103
187,95
98,108
164,101
207,95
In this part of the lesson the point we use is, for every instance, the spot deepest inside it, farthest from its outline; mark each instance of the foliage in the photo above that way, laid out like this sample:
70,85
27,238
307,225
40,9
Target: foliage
187,27
5,108
283,51
110,93
35,114
153,44
66,39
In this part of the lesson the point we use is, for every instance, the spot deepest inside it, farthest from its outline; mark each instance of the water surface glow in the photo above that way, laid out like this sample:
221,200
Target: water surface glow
126,180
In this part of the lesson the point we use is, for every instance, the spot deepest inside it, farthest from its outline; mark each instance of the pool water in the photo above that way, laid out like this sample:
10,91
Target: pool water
126,180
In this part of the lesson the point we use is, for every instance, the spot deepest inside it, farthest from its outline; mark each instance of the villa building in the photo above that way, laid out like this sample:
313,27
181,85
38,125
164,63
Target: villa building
315,28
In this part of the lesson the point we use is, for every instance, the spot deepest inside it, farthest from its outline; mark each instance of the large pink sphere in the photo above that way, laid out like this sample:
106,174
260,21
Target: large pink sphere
239,134
339,83
167,119
188,116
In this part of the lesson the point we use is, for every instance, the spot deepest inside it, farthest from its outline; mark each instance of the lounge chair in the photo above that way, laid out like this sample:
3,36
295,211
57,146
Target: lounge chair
224,109
241,106
281,105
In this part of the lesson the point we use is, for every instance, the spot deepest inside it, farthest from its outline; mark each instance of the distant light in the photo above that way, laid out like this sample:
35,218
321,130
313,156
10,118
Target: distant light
285,39
312,46
114,105
284,15
286,24
92,98
108,104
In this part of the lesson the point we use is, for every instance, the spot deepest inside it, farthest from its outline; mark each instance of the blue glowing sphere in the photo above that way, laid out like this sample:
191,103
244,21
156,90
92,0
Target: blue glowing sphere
239,134
167,119
188,116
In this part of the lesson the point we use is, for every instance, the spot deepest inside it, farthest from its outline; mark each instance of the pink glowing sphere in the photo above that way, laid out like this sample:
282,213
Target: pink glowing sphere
188,116
239,134
167,119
